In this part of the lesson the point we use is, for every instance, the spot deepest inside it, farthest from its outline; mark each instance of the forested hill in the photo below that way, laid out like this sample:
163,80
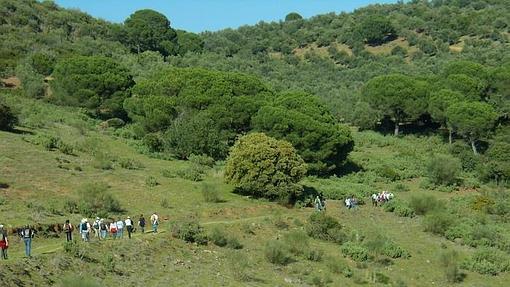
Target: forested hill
439,65
333,55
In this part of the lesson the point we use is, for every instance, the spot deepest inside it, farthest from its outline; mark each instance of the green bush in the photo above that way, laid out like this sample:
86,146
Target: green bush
423,204
443,169
218,237
239,265
338,266
262,166
8,119
324,227
193,172
488,261
102,161
151,181
154,142
190,231
95,200
438,222
129,163
315,255
297,242
202,160
355,251
211,193
449,261
399,207
277,253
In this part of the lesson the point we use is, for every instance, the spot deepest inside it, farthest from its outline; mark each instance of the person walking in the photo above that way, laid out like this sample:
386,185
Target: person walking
85,230
103,229
141,223
129,226
4,242
95,227
68,229
27,233
154,222
113,229
318,203
120,228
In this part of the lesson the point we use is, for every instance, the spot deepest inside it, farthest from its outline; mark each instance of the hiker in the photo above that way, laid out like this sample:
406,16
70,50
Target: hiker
95,227
113,229
348,203
68,229
103,229
129,226
354,202
120,228
154,222
318,203
141,223
27,233
85,230
374,197
4,243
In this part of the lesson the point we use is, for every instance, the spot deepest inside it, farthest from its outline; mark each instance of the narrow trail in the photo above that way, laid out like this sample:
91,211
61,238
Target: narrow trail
52,246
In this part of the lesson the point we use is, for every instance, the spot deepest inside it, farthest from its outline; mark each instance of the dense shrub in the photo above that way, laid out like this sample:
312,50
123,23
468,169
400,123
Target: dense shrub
130,163
190,231
355,251
338,266
399,207
277,253
443,169
211,193
7,117
297,243
438,222
151,181
265,167
193,172
202,160
449,261
422,204
95,200
219,238
488,261
325,227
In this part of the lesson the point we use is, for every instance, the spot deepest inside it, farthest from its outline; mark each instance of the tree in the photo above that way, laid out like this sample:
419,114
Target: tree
498,161
397,96
150,30
189,42
438,105
196,133
98,83
299,119
473,120
293,16
262,166
376,29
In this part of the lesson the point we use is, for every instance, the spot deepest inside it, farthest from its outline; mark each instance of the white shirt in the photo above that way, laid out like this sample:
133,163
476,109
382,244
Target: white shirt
120,224
129,222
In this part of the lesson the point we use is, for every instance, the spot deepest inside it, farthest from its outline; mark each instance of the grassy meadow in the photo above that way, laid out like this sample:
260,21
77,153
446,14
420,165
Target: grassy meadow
57,151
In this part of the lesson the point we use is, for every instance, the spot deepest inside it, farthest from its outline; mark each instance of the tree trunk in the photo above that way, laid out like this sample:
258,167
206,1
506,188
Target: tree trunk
473,146
450,136
396,128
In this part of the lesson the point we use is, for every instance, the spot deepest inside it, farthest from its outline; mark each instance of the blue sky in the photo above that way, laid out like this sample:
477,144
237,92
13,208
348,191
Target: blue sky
212,15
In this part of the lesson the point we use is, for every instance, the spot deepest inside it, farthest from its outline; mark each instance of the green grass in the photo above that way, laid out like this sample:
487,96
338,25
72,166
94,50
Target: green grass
40,181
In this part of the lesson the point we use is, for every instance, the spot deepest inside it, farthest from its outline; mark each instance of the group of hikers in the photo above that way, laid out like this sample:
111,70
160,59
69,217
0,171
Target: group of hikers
100,229
381,197
352,202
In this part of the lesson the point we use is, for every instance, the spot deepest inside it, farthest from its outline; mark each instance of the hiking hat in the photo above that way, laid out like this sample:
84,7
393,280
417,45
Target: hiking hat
129,217
1,226
97,218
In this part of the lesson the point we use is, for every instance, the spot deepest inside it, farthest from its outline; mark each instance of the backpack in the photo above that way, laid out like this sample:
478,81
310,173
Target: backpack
113,229
103,226
96,224
83,226
26,233
68,227
142,222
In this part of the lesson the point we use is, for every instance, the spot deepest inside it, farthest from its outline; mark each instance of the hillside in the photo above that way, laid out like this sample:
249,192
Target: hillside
231,135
